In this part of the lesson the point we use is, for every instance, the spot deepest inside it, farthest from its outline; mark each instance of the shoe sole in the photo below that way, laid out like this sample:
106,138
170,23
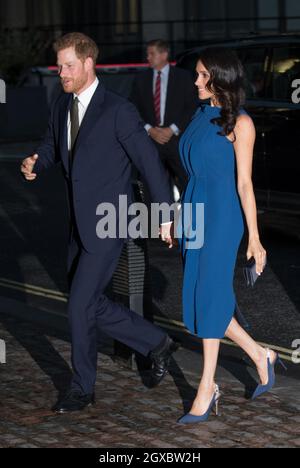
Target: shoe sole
73,411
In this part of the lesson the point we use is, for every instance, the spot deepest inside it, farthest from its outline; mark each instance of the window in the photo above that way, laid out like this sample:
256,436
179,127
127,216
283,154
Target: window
254,63
127,16
133,16
284,70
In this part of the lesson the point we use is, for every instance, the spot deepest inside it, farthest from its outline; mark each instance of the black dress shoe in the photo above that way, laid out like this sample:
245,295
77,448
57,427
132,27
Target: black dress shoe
161,360
74,401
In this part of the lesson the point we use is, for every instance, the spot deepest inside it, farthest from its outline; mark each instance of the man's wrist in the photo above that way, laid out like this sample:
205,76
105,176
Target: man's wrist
148,127
175,129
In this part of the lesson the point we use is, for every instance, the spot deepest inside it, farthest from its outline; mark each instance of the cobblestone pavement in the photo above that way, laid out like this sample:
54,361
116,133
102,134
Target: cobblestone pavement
127,414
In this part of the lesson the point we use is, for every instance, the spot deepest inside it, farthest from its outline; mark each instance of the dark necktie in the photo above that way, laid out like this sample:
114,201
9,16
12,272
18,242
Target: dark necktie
74,122
157,98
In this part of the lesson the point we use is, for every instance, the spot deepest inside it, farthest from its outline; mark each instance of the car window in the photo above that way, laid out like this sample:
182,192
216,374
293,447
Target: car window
120,83
285,68
189,62
255,65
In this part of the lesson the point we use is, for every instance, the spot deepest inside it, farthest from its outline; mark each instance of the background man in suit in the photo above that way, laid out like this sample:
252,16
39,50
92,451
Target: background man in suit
97,135
166,98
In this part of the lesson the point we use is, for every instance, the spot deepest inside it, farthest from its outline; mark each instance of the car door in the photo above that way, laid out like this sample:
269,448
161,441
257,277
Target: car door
282,122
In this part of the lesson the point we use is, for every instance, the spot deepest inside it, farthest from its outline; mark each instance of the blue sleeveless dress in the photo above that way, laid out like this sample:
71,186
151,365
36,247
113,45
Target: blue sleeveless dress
209,301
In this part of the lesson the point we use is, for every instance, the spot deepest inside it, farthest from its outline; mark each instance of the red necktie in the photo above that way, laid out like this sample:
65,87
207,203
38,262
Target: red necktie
157,99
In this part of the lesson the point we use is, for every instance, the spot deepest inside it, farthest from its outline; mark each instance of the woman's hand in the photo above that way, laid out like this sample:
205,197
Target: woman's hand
256,250
167,235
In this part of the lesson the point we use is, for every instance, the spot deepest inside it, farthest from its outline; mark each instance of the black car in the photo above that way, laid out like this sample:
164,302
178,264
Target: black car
272,66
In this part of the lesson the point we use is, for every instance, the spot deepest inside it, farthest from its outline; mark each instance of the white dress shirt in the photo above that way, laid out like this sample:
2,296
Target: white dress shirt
163,97
84,100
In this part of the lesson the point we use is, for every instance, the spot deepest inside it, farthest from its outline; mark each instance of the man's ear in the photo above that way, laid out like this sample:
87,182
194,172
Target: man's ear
89,62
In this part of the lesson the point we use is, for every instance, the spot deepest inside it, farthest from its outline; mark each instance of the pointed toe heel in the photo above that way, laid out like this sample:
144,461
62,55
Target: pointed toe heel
214,404
262,389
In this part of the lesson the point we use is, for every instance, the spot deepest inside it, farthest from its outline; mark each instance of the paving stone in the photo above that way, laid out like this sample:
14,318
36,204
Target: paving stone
225,443
295,442
267,419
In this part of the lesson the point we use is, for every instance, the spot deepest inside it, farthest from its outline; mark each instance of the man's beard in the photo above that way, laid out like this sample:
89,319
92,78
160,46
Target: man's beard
72,85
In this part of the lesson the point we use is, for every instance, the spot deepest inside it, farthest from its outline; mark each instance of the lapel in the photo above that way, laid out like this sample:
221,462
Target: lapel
91,117
63,125
171,92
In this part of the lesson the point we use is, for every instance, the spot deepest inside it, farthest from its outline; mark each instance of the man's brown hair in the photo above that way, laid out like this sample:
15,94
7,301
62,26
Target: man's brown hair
84,46
160,44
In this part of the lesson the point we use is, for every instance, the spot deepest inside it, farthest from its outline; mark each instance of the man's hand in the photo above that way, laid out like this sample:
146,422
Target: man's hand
27,167
161,135
167,133
167,234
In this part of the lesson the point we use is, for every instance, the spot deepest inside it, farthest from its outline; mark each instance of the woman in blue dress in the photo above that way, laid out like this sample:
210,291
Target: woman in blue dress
218,144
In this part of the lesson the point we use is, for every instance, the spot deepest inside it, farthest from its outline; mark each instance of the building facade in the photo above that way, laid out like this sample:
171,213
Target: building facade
122,27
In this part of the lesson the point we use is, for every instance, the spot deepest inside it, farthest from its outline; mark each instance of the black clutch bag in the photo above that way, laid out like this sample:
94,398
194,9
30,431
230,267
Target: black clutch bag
250,272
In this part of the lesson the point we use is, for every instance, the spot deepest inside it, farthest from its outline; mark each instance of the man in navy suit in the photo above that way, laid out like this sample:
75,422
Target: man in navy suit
98,136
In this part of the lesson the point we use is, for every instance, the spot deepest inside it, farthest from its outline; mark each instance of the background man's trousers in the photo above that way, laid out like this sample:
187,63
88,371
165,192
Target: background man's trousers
89,310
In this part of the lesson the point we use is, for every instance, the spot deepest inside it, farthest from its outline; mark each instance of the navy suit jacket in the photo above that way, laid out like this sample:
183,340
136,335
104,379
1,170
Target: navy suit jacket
110,140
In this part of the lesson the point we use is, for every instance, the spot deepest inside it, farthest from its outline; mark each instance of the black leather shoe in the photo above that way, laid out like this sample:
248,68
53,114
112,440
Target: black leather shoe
161,360
74,401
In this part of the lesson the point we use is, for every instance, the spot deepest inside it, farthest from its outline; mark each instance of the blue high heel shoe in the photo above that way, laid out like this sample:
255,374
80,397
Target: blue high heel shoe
191,418
261,389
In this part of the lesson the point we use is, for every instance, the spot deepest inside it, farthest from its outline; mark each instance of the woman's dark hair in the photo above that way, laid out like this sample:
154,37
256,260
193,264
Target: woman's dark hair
227,82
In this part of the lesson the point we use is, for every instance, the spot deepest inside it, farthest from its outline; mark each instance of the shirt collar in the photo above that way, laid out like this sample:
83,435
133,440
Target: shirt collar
86,96
164,71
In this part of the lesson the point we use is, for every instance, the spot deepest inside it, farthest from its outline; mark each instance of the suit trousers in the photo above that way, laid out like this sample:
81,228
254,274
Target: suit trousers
89,310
